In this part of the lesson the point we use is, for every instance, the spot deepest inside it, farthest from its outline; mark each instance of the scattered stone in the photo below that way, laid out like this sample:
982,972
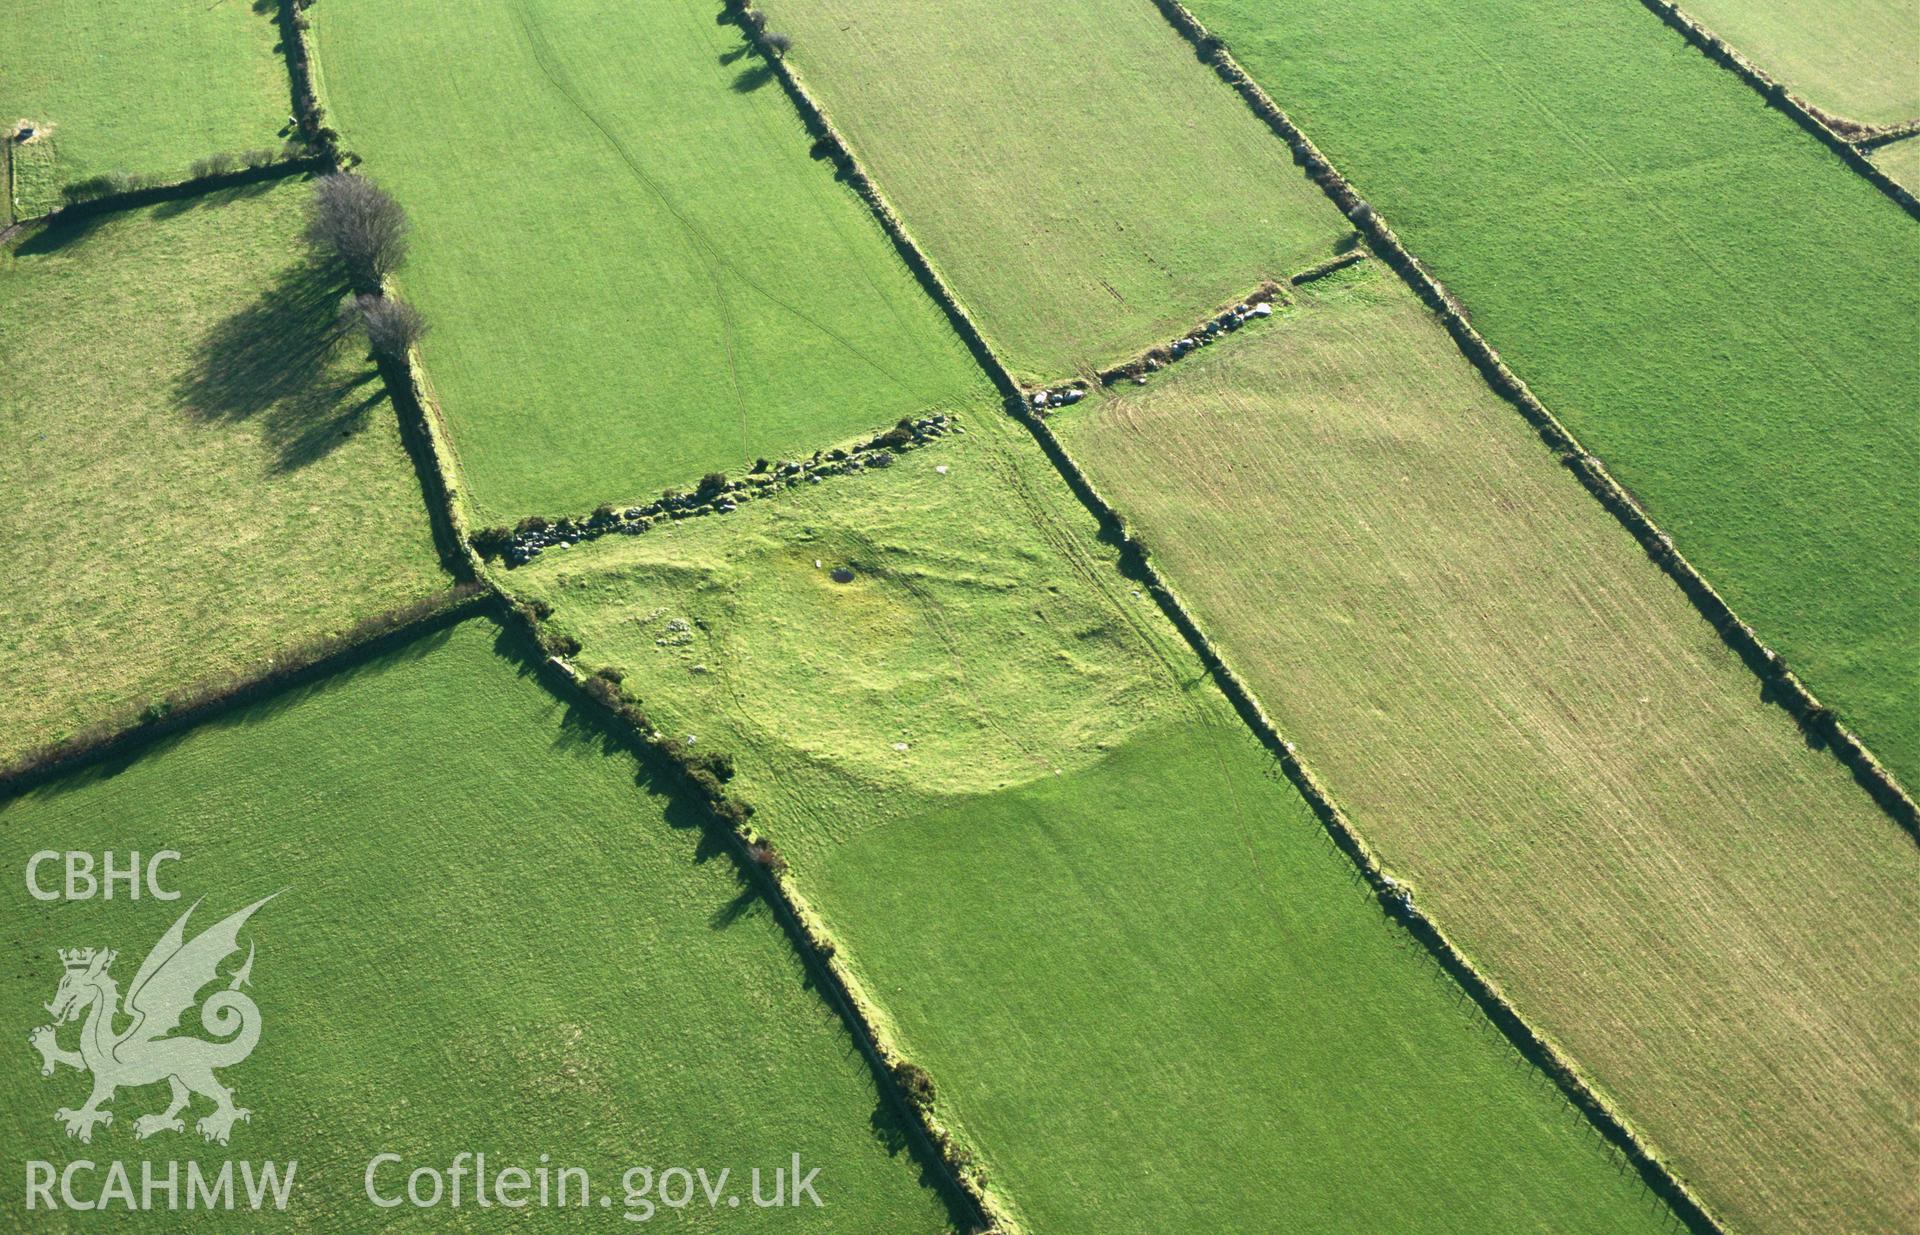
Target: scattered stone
536,535
840,574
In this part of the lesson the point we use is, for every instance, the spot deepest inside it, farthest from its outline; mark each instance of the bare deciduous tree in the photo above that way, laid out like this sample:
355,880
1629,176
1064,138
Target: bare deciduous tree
777,44
355,222
393,326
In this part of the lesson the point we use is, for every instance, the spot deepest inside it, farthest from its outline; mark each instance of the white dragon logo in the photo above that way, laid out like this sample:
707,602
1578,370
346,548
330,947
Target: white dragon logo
144,1053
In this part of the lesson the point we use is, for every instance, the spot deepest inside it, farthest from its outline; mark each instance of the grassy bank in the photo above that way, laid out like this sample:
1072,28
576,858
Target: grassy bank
1067,876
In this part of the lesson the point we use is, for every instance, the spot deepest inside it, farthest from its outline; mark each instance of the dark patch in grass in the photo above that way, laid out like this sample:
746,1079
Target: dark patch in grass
734,909
273,361
752,78
175,206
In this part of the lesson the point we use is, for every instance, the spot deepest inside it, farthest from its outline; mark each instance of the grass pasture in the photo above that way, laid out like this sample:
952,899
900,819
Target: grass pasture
490,939
1859,60
634,271
146,90
1901,161
1087,187
1720,308
1530,724
1151,993
196,476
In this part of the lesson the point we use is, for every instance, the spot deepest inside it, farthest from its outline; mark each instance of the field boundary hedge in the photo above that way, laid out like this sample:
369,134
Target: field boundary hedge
1395,900
137,726
829,141
1888,135
1823,125
903,1084
6,189
310,118
714,495
1225,319
192,186
1779,684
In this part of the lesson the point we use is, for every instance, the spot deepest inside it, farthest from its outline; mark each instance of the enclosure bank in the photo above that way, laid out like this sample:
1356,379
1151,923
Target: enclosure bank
146,1185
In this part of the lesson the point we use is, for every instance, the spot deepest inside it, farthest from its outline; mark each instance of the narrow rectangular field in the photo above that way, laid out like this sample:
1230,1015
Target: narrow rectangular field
1069,880
1083,182
1533,727
1859,59
146,89
491,934
633,271
200,472
1708,297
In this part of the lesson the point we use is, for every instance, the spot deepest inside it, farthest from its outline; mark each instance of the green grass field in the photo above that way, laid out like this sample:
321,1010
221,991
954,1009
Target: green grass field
1901,160
1859,60
197,476
634,273
1717,305
490,938
1531,723
1087,186
145,91
1150,991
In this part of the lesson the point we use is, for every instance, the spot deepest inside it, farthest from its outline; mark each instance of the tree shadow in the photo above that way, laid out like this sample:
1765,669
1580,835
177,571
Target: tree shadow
173,207
752,78
735,909
58,234
275,362
728,57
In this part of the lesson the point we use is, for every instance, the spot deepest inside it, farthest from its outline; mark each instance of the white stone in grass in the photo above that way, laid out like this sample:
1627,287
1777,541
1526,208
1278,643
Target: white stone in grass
900,746
942,469
1262,310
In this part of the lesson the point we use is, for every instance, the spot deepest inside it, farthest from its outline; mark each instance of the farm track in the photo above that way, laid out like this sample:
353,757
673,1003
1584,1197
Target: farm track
710,253
1532,1045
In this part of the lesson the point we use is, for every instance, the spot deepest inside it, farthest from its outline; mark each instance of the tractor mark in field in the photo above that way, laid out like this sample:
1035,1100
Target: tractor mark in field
1652,200
710,253
698,244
